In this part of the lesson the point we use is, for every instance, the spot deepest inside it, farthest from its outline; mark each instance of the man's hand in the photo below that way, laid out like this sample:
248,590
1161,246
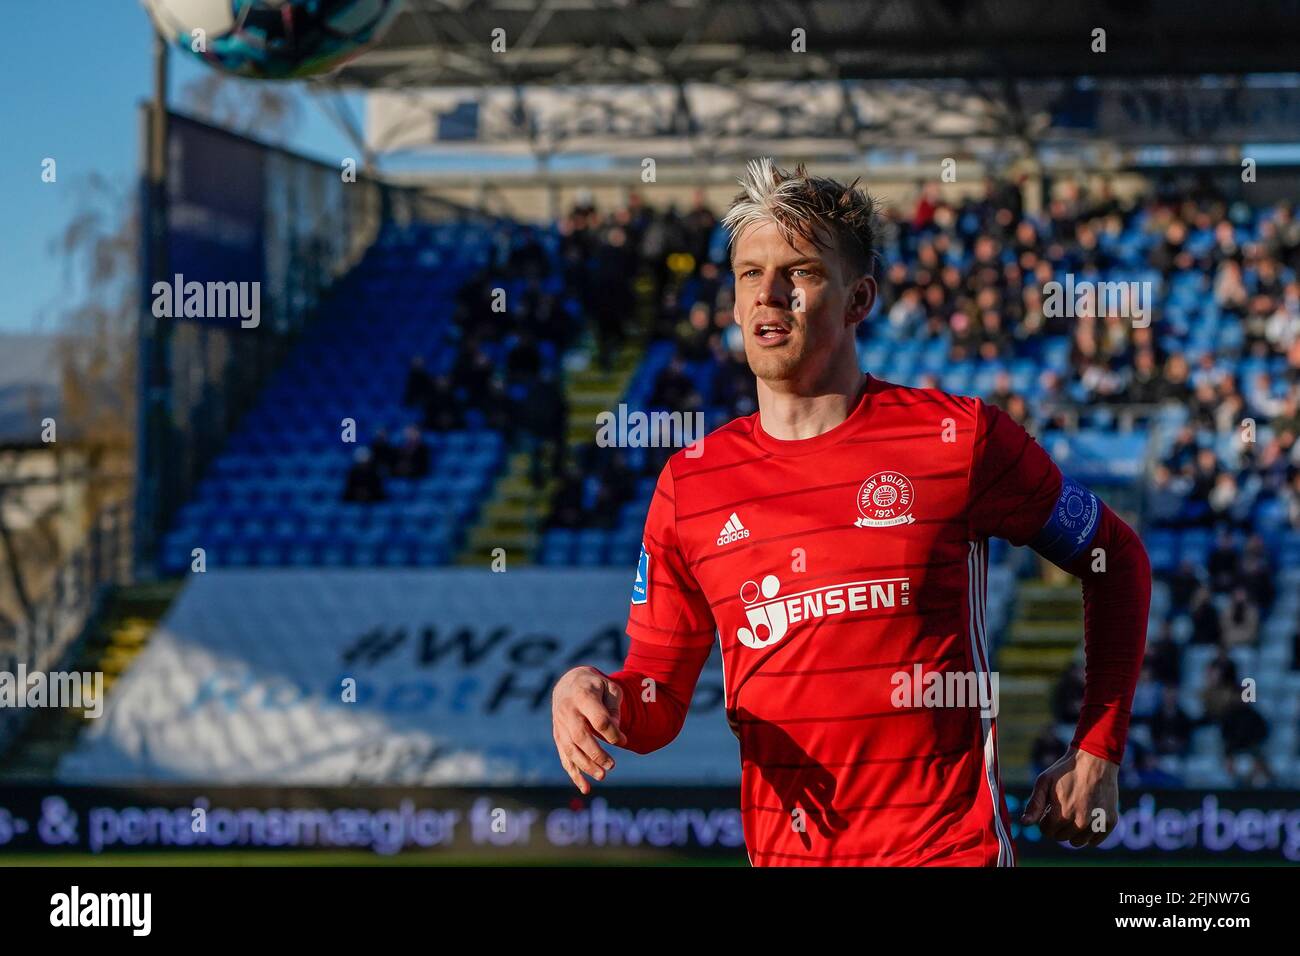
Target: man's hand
1075,799
584,706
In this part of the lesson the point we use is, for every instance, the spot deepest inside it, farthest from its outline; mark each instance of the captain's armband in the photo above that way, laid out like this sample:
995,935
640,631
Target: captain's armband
1071,526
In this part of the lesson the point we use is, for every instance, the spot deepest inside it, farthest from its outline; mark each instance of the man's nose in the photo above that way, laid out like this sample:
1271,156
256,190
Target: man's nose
773,294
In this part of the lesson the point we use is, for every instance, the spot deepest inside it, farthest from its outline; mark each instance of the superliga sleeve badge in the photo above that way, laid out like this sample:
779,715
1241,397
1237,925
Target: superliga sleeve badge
641,586
884,500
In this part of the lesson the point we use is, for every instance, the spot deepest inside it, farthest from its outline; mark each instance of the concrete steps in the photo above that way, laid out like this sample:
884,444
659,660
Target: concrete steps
510,518
591,391
1041,642
513,515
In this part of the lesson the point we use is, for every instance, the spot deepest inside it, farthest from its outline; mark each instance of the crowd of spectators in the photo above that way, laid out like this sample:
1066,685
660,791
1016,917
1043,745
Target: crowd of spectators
508,373
665,245
604,253
973,274
597,483
1162,728
409,458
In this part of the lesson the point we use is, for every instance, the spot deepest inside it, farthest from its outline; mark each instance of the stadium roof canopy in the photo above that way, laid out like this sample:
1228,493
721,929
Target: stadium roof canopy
446,42
690,82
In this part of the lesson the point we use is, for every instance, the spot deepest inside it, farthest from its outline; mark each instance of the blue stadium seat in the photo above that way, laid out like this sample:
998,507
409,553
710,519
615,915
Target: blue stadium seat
1162,550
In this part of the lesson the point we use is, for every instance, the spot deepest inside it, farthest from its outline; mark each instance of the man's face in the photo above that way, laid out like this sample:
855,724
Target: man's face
796,305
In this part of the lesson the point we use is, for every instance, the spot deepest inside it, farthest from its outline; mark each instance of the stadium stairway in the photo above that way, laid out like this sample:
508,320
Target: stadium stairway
1040,643
111,642
513,515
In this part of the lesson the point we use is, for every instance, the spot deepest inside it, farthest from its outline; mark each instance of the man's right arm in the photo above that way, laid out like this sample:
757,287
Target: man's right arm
643,706
657,683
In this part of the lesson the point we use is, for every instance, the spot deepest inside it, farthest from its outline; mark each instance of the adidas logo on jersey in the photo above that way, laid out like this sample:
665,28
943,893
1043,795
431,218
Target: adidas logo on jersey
733,530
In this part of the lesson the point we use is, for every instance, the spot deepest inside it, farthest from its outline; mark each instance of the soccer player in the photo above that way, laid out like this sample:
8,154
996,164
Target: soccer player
836,542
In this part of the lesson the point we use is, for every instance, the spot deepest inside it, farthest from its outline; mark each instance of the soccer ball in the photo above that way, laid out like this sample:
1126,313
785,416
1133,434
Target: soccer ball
273,39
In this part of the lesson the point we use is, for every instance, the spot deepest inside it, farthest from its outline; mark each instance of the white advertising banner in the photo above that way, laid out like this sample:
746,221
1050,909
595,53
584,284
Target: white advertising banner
422,676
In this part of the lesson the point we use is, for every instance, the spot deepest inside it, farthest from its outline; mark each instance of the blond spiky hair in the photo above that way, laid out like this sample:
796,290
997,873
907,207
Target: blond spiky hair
823,211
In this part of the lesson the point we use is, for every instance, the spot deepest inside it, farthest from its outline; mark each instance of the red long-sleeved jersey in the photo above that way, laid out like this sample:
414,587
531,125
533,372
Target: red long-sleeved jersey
838,573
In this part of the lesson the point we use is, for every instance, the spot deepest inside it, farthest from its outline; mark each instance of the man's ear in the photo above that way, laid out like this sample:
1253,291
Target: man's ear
862,299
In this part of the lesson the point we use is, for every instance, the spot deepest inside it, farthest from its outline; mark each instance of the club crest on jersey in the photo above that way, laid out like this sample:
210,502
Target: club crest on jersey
884,500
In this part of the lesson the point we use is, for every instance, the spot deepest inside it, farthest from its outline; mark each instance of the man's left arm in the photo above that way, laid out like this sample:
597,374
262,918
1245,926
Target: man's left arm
1018,493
